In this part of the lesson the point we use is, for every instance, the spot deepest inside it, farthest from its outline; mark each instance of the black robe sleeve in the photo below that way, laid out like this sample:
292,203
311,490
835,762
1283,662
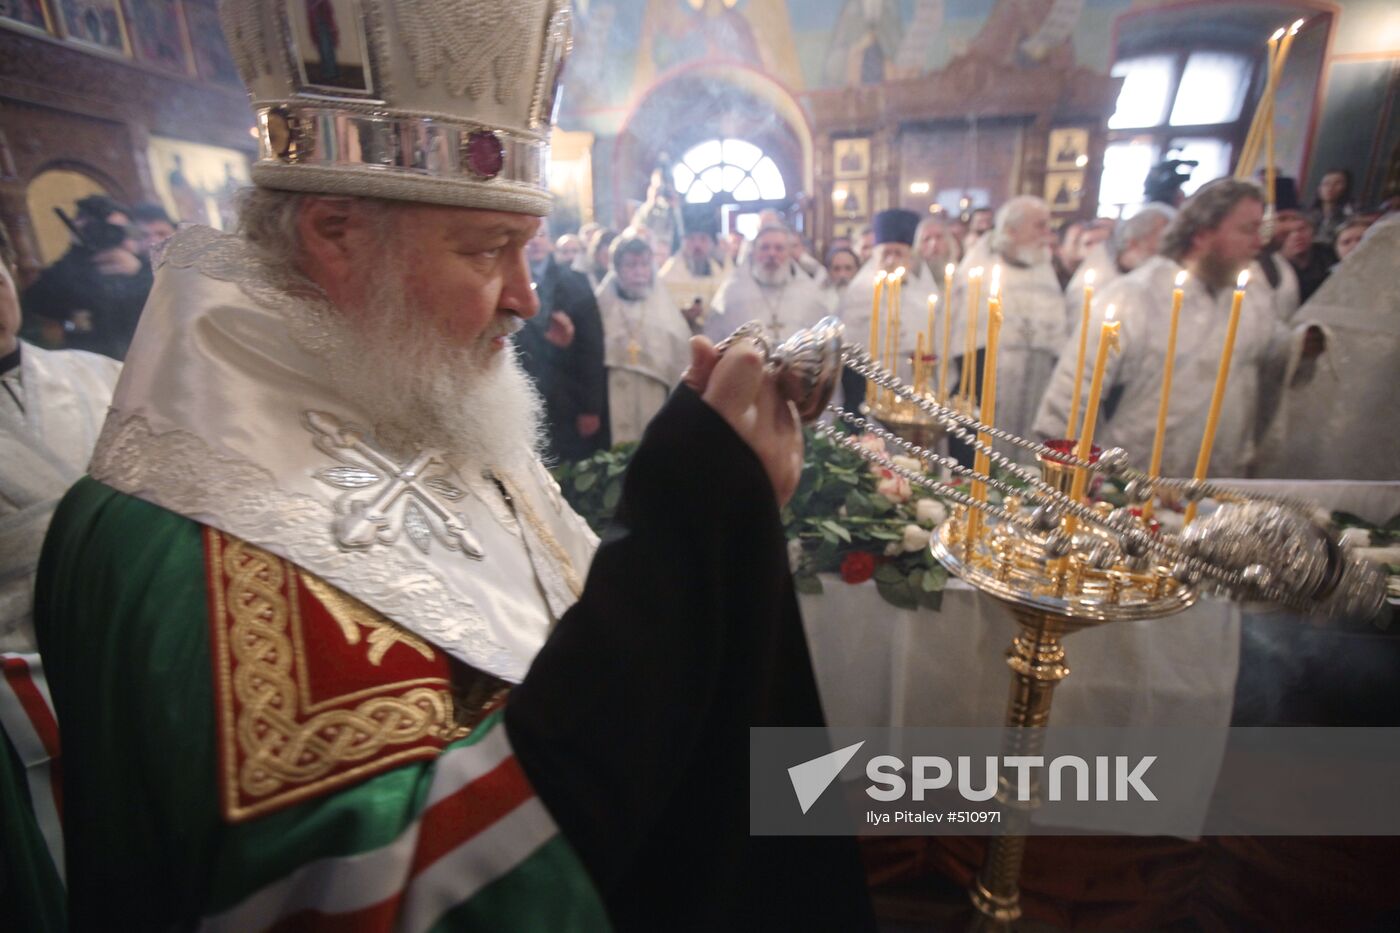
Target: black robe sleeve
632,723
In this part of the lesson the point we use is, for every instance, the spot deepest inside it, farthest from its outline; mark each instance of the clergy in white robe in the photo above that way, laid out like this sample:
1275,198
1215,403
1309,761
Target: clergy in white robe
1337,417
768,288
1134,241
1033,313
694,275
646,343
52,404
1214,237
894,240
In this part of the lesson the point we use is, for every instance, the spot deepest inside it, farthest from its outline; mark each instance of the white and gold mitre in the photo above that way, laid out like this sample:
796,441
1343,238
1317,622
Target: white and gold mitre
439,101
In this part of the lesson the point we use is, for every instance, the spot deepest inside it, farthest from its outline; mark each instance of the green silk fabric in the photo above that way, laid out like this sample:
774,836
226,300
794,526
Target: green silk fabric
31,894
122,616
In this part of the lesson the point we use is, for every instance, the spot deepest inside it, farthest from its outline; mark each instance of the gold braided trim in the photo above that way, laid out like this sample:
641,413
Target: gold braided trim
274,752
551,543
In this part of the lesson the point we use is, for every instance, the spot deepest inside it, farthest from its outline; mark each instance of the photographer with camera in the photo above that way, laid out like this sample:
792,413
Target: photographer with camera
92,298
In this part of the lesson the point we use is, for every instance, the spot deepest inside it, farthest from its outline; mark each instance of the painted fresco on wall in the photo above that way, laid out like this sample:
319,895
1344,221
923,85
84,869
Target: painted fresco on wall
198,183
757,33
157,33
211,55
93,22
29,13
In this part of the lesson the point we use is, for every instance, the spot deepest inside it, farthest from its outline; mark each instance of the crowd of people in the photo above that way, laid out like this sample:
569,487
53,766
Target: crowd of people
308,636
618,306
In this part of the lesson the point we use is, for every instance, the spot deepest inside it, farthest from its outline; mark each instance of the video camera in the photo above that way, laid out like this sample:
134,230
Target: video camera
95,233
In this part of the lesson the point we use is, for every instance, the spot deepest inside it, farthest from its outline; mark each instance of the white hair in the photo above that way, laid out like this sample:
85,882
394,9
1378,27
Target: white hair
1010,215
387,361
1146,222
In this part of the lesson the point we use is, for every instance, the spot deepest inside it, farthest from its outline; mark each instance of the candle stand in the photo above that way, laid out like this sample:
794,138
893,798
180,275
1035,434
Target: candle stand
1050,597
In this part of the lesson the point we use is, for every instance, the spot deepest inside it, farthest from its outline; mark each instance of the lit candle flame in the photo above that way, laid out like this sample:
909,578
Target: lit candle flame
1278,34
880,275
1109,313
996,282
899,273
976,272
1181,278
1243,280
949,269
1089,279
1297,24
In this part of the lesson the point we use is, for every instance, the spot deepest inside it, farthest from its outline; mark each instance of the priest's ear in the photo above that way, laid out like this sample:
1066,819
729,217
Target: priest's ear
335,235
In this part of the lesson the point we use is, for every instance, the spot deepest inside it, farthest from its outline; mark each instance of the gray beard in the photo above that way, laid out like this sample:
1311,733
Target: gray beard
418,392
1035,256
771,279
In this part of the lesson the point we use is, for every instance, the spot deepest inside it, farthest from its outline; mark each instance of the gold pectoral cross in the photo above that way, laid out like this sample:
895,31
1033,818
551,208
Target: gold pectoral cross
634,352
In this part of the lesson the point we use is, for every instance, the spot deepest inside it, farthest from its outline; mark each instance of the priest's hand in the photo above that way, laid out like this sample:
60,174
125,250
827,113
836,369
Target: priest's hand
560,331
736,386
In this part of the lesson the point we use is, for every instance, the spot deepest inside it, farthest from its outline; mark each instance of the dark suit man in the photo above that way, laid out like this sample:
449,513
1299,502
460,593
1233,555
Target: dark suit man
562,350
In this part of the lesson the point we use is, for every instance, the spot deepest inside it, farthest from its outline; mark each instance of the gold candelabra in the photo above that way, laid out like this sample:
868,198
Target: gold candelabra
1057,562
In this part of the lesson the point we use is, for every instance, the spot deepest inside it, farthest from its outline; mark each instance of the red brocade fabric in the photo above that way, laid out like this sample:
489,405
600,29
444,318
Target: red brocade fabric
314,690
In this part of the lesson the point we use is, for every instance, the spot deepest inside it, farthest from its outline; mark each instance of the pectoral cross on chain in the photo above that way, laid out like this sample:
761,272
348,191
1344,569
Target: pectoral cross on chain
634,352
359,523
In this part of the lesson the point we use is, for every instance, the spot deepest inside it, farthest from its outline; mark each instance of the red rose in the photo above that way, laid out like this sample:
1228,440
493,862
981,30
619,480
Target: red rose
857,567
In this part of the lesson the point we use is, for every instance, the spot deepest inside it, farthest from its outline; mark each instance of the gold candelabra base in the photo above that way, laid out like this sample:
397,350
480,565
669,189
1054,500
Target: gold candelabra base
905,419
1050,597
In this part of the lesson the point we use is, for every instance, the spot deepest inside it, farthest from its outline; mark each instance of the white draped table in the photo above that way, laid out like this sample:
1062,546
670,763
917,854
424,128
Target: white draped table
877,665
881,666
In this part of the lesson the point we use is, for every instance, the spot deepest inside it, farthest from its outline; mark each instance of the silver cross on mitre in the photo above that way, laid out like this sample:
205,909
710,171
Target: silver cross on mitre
404,499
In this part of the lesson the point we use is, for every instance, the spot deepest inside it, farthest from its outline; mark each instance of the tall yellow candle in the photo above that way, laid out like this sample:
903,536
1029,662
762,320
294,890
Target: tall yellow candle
919,363
1249,152
892,326
947,344
1217,398
874,346
1108,340
932,318
974,300
1270,169
982,462
1159,440
1079,360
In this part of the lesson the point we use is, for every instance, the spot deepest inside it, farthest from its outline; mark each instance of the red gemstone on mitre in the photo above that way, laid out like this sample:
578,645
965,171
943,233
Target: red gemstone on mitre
485,154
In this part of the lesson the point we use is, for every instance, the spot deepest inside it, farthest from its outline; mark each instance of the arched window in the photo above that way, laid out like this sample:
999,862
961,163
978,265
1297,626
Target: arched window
728,165
1181,104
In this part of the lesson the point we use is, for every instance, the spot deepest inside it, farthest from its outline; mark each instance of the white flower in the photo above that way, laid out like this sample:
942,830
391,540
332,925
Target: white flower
794,553
893,549
930,512
872,442
894,488
1356,537
915,538
911,464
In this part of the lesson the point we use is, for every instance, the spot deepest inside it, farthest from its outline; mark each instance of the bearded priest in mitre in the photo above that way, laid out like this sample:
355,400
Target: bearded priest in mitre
341,656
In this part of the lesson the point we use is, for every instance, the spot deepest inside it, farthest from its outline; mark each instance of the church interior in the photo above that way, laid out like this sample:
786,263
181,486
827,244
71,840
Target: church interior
914,169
